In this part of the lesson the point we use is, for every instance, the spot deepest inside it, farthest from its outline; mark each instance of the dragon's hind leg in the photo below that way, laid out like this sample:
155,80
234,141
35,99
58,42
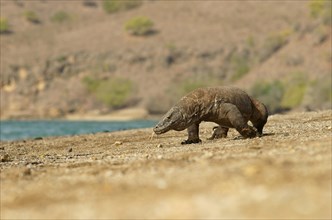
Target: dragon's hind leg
219,132
235,117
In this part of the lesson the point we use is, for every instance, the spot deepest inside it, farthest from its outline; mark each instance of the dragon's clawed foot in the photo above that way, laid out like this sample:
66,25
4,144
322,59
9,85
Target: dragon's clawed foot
194,141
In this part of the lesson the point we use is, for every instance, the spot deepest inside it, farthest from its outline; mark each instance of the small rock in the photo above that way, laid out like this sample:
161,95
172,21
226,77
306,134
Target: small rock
70,150
38,138
5,158
27,172
2,148
160,146
117,143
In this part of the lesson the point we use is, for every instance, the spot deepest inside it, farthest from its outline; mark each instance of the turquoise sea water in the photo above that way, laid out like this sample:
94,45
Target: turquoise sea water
17,130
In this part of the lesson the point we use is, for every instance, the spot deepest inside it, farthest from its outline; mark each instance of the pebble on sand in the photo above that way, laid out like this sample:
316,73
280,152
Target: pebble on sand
117,143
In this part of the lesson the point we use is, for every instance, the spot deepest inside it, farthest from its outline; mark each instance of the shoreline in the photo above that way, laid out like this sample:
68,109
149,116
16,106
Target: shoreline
130,114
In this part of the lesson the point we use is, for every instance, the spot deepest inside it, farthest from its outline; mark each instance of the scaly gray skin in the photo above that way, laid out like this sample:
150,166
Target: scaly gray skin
229,107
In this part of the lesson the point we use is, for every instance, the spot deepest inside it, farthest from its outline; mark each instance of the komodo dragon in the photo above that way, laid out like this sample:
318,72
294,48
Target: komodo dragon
229,107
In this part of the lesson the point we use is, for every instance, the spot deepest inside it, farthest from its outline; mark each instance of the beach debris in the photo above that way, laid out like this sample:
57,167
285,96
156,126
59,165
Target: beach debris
38,138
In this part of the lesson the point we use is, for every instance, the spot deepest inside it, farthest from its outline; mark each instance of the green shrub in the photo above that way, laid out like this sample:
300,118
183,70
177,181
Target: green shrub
60,17
31,16
321,9
327,14
270,93
4,25
316,7
293,95
295,89
112,6
282,95
91,84
114,92
171,47
61,58
321,92
320,35
251,43
139,26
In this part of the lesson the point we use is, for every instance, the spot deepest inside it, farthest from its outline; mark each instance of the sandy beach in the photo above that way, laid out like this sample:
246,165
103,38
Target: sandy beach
130,174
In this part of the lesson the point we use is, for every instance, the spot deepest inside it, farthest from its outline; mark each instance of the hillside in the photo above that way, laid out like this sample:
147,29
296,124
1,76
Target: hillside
61,58
286,174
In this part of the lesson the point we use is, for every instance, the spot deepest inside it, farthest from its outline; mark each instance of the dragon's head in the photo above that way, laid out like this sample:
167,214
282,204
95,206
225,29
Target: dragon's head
172,120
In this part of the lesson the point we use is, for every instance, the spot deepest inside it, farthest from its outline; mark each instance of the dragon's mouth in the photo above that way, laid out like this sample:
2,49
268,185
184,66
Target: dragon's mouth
160,130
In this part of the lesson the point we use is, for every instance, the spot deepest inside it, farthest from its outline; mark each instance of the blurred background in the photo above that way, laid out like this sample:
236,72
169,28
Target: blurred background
89,58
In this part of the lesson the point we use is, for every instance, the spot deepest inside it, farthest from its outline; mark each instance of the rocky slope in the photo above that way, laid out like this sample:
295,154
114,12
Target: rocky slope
88,63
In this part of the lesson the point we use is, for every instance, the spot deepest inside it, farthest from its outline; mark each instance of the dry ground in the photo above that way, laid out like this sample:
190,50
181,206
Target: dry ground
284,174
